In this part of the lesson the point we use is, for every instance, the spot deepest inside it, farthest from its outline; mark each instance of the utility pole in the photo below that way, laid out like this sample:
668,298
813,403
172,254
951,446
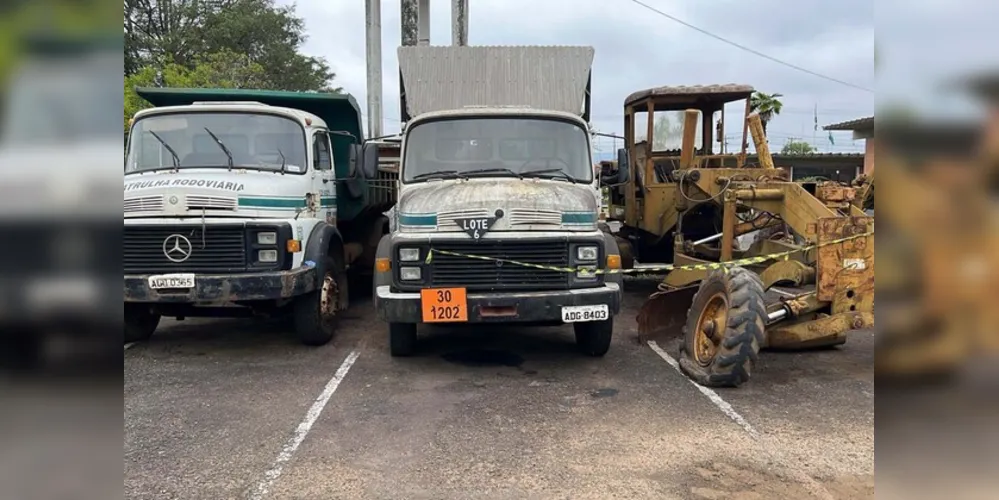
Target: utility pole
459,22
373,18
423,18
409,16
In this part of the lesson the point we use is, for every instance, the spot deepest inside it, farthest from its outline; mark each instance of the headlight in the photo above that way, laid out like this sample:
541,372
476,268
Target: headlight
267,256
268,238
409,254
410,274
586,253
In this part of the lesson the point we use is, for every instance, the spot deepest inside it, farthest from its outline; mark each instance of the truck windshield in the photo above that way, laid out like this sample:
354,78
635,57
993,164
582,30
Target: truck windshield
482,147
188,140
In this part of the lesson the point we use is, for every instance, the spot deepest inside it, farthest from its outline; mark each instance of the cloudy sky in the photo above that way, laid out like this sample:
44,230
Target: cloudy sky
637,48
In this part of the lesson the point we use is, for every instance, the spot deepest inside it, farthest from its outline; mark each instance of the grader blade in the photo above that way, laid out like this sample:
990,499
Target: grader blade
664,313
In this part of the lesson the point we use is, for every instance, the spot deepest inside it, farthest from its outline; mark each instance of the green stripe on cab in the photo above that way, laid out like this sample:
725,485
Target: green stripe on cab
418,219
272,202
579,218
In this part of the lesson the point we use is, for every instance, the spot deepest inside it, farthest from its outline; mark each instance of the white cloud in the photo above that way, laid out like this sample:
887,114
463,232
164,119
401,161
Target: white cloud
636,48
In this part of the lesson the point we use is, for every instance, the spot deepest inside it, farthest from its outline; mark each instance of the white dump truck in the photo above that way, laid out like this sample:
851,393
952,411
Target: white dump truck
246,202
498,209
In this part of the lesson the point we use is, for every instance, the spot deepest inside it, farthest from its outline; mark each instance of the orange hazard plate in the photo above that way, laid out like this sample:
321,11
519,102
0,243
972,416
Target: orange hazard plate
444,305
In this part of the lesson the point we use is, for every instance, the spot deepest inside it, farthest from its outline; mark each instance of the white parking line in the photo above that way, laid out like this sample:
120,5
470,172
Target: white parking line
766,446
304,427
712,395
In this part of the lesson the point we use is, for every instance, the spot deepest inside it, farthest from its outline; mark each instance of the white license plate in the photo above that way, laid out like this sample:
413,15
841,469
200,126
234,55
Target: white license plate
575,314
160,281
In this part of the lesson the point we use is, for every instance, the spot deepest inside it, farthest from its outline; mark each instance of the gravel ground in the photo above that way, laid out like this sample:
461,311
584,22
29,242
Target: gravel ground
219,409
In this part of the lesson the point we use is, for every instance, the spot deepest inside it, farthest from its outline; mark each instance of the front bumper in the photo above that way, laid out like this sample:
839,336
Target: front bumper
227,288
404,307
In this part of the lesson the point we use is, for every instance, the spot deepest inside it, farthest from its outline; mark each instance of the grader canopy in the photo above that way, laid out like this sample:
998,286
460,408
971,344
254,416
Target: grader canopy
730,232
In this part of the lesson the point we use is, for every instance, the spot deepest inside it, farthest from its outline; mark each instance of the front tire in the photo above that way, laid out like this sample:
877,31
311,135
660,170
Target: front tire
140,323
724,329
402,339
317,313
593,338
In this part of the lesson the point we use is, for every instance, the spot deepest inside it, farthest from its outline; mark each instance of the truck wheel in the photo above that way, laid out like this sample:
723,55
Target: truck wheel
140,322
317,313
402,339
593,338
724,329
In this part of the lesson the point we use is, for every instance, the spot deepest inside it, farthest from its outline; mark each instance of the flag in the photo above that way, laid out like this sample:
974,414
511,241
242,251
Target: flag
831,141
816,128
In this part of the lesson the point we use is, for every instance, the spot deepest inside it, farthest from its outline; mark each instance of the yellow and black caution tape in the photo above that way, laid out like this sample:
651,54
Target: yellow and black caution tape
652,269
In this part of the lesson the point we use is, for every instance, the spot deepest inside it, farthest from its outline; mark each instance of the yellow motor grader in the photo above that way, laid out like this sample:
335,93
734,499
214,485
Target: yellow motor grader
730,231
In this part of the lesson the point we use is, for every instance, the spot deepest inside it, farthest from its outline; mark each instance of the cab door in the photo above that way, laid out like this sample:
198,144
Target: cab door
324,178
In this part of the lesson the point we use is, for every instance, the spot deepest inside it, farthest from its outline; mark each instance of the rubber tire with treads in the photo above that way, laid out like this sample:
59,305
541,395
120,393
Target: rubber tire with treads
402,339
593,338
738,351
307,309
140,323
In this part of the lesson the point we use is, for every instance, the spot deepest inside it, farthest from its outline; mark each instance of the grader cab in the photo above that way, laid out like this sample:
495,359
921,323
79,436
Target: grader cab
730,231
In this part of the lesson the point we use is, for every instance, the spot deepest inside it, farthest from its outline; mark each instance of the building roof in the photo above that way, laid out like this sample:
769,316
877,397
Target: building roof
866,123
437,78
721,93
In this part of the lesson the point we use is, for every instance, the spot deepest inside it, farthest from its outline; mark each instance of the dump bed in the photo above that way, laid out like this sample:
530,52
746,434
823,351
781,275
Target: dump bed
438,78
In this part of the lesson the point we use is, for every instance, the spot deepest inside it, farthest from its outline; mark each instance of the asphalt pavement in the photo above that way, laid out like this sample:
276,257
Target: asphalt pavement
219,409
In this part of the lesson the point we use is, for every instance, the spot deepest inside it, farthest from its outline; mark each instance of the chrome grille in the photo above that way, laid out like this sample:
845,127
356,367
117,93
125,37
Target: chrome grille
211,203
529,217
215,249
484,275
143,204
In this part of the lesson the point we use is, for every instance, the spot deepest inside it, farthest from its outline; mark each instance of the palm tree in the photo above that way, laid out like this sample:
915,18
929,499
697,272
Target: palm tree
767,105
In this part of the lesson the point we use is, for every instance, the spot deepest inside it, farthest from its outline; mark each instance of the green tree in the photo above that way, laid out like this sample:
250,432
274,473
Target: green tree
767,105
220,70
180,31
797,147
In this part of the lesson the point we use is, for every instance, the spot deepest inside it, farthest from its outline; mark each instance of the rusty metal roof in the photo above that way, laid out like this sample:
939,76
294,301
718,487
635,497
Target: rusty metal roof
715,92
865,123
437,78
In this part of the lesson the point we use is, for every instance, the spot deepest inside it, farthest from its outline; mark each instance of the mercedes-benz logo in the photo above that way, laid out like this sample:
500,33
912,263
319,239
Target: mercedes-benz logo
177,248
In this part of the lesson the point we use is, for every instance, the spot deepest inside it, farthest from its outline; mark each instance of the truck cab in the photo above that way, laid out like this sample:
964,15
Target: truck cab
498,204
233,205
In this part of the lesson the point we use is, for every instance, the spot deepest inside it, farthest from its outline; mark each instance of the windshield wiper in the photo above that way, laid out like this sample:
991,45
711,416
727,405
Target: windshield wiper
550,171
439,173
494,171
283,161
224,149
176,159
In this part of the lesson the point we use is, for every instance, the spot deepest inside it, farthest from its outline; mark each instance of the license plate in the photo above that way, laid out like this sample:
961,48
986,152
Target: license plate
444,305
160,281
576,314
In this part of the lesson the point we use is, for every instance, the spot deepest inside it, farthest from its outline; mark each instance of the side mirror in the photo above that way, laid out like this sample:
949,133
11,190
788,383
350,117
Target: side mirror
356,153
623,166
369,160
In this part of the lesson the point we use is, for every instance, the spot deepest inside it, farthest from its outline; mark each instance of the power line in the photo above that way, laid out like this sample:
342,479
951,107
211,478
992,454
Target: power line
750,50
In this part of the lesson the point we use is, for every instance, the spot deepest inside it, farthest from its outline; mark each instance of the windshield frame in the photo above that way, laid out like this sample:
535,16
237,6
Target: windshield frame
193,110
583,129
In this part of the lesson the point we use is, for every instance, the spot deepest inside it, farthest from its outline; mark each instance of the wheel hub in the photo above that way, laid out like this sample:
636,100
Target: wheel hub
710,329
329,298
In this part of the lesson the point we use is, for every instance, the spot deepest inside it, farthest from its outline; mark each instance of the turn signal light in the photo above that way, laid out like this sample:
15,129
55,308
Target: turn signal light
383,265
613,262
294,246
